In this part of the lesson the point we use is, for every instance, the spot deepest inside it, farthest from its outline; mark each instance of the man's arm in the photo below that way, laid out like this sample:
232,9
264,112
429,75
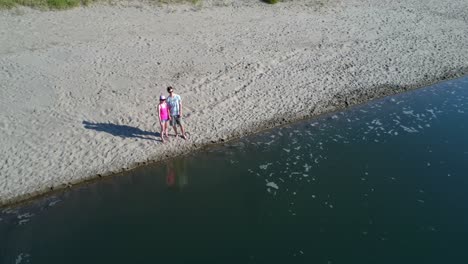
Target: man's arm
180,106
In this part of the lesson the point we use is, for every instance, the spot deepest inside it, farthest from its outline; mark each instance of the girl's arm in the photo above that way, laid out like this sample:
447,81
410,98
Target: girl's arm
159,113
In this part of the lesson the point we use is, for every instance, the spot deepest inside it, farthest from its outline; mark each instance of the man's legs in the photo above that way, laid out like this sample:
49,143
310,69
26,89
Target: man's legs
183,130
173,123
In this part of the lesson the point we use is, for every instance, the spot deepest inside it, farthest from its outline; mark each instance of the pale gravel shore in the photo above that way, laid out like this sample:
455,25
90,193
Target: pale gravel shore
240,66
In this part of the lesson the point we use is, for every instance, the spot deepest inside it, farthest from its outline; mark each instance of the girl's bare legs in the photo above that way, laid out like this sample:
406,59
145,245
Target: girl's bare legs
162,131
166,129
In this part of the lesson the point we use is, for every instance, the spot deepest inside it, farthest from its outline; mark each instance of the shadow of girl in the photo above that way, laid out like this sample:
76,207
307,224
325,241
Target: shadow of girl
122,130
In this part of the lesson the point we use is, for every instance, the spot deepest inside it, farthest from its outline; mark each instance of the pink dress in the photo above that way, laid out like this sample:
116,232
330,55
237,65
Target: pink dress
164,112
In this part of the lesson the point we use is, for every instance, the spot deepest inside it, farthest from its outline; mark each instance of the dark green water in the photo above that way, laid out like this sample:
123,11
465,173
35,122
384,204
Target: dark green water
385,182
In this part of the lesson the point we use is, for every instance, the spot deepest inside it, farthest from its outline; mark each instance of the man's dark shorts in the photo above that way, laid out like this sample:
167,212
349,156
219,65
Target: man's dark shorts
176,120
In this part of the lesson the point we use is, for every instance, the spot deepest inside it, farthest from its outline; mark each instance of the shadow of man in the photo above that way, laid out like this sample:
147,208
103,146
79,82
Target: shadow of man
122,130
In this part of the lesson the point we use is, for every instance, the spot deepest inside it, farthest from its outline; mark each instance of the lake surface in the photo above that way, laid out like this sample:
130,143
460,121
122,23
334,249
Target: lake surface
385,182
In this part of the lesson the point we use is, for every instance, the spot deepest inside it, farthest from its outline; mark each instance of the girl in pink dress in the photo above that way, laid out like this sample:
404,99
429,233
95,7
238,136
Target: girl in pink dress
164,117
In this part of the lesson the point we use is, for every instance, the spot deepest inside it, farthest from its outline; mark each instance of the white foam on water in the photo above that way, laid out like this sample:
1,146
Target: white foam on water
307,167
22,257
9,211
376,122
313,196
410,112
265,166
272,185
287,150
420,201
335,117
25,215
432,112
409,129
23,221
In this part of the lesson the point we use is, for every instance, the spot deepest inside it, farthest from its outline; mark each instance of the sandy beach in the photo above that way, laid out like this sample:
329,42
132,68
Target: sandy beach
79,88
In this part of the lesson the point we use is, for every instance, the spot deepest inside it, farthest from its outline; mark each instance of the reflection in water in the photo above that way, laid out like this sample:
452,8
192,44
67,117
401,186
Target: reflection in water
176,174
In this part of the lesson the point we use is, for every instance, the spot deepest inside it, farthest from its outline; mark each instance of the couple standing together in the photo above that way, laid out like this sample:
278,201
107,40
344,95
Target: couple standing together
170,111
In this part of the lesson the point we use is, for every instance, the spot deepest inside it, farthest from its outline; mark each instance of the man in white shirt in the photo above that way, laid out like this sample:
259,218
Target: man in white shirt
175,109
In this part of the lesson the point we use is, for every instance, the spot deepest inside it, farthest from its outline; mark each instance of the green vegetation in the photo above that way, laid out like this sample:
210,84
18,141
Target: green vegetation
7,3
271,1
51,4
64,4
177,1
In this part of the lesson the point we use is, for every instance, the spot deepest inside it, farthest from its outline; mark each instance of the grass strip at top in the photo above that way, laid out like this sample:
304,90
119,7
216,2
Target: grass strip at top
42,4
66,4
